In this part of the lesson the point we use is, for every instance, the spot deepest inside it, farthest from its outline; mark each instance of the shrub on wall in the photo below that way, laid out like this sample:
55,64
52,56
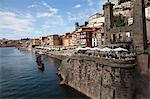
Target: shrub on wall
119,21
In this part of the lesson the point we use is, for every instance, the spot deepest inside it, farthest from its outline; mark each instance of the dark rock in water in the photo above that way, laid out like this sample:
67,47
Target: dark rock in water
41,67
39,62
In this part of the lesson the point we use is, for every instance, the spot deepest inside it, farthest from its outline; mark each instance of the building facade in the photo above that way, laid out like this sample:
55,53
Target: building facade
66,40
36,42
96,20
44,41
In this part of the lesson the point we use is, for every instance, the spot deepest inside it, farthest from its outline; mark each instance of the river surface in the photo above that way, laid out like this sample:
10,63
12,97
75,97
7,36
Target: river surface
21,78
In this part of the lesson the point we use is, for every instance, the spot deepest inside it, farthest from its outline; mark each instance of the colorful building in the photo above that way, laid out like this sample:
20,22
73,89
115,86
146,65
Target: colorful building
36,42
84,36
54,42
96,22
66,40
44,41
69,41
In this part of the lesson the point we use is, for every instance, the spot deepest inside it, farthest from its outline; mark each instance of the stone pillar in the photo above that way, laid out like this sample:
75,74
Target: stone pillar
139,30
108,13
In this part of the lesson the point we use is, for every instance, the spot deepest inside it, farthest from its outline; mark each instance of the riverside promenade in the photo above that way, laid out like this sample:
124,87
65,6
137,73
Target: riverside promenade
61,55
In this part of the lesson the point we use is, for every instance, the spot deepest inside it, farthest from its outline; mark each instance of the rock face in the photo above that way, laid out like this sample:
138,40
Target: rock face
99,78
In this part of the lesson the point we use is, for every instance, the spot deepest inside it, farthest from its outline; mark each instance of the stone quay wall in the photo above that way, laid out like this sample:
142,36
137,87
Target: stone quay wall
99,78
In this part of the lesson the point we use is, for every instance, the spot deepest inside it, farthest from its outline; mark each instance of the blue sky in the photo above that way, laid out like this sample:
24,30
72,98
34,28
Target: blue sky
35,18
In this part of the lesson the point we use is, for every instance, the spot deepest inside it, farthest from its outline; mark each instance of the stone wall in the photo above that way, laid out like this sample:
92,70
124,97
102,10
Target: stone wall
142,78
99,78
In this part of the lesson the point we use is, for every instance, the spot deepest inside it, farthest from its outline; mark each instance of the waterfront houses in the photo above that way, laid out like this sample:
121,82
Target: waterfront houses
94,32
9,43
36,42
98,37
96,22
67,41
54,41
44,41
84,36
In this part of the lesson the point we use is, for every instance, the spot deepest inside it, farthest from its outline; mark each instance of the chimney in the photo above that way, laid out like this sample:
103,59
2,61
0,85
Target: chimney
86,23
76,25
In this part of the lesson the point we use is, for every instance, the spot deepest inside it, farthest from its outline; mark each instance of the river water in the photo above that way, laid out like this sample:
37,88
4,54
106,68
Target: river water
20,77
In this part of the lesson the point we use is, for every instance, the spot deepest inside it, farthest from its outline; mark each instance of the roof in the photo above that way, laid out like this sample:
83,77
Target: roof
96,14
35,39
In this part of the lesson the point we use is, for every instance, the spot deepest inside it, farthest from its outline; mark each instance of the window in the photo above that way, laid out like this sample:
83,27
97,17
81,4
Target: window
128,34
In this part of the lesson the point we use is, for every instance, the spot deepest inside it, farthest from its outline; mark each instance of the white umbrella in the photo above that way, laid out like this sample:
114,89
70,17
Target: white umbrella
120,49
39,47
95,48
106,49
48,48
80,49
88,48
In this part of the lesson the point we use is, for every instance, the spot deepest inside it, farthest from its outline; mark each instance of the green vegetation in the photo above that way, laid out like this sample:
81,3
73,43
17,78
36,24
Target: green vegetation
119,21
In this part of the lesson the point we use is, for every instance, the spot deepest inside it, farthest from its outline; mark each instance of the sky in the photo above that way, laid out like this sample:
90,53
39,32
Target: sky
36,18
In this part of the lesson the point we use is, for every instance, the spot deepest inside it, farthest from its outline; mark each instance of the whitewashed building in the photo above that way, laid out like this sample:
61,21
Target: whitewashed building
96,20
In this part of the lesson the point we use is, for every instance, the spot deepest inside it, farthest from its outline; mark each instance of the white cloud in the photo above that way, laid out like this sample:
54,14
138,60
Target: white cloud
15,22
32,6
48,10
7,13
44,14
51,12
53,24
51,9
77,6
